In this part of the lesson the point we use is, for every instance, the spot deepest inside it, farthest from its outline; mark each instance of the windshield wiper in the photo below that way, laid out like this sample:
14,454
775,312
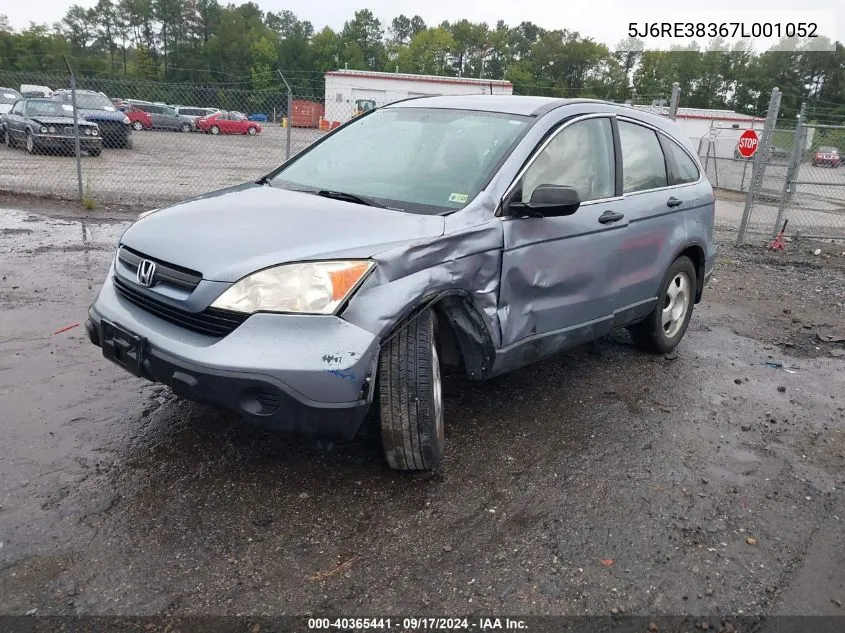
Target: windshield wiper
349,197
336,195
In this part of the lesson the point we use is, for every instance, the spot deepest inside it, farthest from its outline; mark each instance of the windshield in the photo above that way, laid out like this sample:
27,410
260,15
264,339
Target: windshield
9,96
415,159
94,102
48,108
827,150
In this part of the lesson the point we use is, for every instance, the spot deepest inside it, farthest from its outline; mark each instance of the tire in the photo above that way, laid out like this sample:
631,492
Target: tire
7,138
411,397
137,126
95,152
251,131
30,143
651,334
186,127
215,130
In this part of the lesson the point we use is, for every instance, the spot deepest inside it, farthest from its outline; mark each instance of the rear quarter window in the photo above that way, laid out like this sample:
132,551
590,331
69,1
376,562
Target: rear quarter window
682,168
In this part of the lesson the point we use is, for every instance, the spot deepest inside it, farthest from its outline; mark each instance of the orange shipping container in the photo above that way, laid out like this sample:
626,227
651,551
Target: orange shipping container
306,113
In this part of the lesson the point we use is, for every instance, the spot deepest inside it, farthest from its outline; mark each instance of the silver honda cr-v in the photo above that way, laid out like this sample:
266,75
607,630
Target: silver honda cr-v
481,231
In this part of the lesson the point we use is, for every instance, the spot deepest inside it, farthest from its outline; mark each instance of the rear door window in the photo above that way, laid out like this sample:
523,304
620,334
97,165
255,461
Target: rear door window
643,163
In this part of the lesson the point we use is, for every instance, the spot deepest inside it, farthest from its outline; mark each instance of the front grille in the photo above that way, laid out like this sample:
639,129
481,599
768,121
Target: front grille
164,273
211,321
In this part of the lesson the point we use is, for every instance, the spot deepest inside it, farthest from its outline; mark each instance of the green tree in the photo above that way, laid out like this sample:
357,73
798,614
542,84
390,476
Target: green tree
428,52
363,39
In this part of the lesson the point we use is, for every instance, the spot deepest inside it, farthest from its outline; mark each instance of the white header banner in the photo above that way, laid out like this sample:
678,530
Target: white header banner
724,30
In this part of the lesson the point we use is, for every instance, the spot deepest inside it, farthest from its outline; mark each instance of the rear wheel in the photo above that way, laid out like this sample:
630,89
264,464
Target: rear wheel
663,329
411,397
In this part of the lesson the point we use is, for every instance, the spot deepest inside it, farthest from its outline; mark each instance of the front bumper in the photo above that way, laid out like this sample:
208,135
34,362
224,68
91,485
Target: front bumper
311,375
52,141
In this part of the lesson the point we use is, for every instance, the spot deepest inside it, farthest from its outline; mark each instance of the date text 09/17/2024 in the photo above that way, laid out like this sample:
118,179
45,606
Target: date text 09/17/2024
416,624
682,30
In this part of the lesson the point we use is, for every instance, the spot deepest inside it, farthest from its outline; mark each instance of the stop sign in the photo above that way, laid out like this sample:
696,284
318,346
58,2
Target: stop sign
748,143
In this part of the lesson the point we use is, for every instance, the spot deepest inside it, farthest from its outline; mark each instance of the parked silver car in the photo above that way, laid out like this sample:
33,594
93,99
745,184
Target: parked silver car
164,117
485,232
191,114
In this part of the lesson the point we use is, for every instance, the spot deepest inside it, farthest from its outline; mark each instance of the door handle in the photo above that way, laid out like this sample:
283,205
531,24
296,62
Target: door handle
610,216
673,202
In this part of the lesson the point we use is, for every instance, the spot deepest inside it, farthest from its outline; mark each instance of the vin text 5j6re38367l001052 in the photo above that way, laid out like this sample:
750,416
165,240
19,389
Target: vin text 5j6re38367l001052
481,231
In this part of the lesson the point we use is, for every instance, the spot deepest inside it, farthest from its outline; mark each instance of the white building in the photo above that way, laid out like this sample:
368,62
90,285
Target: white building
713,131
349,91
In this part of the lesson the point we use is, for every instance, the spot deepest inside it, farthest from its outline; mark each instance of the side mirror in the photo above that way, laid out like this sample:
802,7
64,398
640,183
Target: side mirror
548,201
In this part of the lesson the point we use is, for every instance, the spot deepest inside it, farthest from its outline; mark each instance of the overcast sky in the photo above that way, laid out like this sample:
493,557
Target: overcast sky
606,21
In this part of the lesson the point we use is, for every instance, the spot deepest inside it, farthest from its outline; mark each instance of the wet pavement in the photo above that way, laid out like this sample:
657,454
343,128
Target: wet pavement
708,481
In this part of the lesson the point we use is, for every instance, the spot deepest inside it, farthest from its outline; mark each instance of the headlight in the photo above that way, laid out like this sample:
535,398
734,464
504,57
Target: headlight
308,288
51,129
43,129
95,131
125,120
88,131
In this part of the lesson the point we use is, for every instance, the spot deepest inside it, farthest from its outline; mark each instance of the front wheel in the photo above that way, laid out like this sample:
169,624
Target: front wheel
411,397
137,126
215,130
30,143
663,329
251,131
95,151
186,127
7,138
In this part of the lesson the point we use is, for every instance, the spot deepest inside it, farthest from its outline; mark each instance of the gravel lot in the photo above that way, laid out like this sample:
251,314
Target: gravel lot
707,482
162,167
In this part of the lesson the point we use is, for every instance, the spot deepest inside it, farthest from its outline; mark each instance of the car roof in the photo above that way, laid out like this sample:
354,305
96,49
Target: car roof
532,106
506,104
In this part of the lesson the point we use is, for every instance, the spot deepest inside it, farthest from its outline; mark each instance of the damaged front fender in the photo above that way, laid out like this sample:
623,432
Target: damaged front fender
456,273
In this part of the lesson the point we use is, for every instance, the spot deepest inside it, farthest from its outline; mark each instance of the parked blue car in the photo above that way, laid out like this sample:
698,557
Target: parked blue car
114,125
483,232
259,117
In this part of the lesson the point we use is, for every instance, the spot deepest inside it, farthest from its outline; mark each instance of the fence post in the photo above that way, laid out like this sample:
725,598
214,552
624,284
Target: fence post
759,168
289,115
75,132
793,167
673,103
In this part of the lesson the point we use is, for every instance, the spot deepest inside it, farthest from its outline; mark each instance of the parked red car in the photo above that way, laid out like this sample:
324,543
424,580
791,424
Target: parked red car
140,120
828,156
228,123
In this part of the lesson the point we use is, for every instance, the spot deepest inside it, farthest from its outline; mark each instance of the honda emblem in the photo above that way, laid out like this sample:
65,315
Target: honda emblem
146,272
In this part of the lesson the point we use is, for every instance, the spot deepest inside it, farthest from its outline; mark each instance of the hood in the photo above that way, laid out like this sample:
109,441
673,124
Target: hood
231,233
60,120
101,115
5,107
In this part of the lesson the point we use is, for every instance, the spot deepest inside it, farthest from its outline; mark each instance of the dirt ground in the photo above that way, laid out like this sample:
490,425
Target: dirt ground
605,480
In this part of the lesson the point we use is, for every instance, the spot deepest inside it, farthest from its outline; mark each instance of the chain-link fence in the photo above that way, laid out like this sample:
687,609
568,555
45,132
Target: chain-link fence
797,179
149,143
